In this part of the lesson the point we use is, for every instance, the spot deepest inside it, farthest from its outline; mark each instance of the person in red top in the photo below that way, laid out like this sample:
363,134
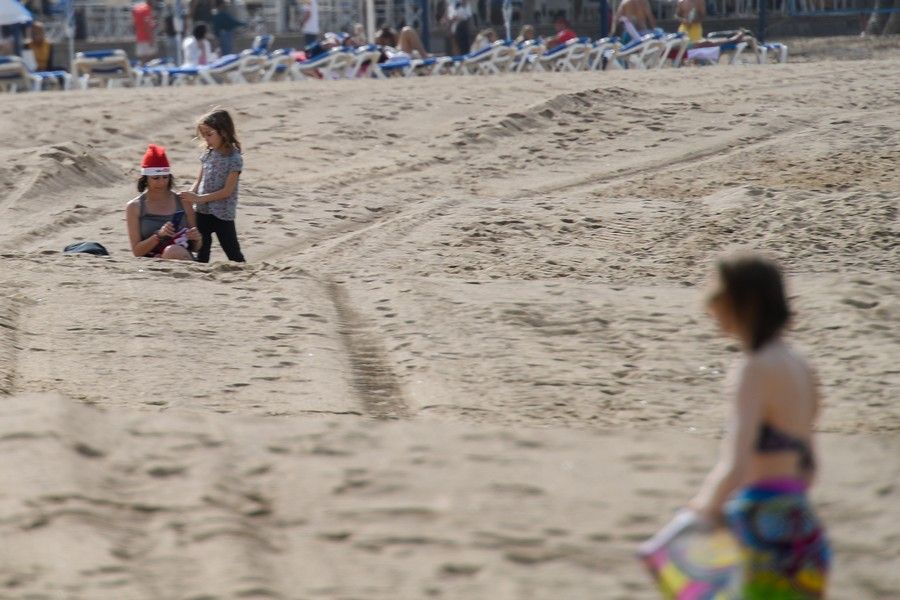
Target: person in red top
143,31
564,33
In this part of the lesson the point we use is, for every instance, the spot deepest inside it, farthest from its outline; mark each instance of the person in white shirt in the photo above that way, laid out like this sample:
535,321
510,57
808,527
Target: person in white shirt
309,20
460,14
196,49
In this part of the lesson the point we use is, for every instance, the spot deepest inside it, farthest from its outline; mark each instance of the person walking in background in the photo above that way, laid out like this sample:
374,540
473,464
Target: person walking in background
309,21
215,192
639,14
200,11
145,39
171,34
767,462
223,25
690,14
196,49
460,16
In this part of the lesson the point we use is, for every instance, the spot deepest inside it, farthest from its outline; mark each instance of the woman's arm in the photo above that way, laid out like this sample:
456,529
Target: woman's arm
228,189
738,445
139,247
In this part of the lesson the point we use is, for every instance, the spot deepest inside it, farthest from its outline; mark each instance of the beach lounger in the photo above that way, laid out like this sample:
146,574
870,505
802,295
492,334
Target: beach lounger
226,69
674,50
776,50
106,67
734,50
398,66
571,56
252,65
281,64
637,54
491,60
600,48
368,54
154,73
404,66
15,75
262,44
526,52
329,64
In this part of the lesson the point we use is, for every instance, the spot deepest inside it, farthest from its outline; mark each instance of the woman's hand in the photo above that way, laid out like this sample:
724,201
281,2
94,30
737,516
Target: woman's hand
706,516
193,234
166,231
188,196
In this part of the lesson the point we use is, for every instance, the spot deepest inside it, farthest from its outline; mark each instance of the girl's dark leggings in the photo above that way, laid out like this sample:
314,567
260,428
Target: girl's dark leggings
225,233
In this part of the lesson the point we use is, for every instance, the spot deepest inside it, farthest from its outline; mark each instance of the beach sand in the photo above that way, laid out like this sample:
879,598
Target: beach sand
467,357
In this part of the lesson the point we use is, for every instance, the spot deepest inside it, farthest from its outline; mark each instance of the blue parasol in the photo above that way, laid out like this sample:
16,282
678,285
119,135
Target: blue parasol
13,13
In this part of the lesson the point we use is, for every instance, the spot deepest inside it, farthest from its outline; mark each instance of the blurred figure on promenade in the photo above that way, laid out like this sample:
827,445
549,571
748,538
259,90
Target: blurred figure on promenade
223,26
145,38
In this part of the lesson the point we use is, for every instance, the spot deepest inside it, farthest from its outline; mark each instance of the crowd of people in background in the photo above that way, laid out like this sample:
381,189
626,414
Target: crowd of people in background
210,27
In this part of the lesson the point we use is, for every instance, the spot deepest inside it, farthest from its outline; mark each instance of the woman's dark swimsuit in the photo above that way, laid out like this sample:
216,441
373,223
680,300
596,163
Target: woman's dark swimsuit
772,439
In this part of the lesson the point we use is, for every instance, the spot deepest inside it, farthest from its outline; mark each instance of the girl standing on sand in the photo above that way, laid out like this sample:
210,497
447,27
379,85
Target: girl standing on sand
767,463
215,192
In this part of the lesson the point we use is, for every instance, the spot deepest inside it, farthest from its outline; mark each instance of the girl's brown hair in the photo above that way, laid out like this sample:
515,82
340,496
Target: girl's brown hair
219,120
142,183
755,287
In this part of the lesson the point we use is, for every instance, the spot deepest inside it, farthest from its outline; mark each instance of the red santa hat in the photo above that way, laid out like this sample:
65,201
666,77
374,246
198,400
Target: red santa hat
155,161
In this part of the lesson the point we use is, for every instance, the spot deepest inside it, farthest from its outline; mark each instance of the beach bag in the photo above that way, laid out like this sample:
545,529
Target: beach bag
95,248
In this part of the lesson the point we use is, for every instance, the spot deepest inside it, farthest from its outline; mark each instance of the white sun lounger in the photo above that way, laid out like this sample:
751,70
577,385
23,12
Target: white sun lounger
491,60
330,64
15,75
571,56
677,44
370,54
281,64
525,54
637,54
764,51
599,48
107,67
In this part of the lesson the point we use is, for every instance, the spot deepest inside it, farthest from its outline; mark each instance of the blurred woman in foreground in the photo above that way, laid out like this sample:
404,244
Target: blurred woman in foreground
767,462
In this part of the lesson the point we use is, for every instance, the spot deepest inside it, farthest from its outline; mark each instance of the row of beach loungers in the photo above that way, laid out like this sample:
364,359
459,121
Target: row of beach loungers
261,63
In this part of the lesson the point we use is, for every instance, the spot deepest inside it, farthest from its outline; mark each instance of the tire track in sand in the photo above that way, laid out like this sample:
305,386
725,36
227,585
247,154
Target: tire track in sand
372,377
10,318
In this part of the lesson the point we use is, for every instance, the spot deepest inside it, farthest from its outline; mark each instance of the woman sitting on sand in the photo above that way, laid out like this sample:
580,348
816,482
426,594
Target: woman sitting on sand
159,224
767,463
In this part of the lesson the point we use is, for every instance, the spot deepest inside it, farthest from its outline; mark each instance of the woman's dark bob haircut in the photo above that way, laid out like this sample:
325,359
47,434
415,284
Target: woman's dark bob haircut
142,183
755,288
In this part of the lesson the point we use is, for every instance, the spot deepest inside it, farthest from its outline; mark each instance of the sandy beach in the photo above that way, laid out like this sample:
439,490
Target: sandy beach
467,358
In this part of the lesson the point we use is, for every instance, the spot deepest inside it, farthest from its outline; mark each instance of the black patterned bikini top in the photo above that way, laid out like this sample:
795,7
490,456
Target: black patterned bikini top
774,440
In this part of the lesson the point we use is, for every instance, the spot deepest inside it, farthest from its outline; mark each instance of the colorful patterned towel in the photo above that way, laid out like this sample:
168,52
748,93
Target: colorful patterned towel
691,561
787,556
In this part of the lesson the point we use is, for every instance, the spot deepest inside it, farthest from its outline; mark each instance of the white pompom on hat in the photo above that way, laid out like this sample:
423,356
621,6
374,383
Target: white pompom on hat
155,161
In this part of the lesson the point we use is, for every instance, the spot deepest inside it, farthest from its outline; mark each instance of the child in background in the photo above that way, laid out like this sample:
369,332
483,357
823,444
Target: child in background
215,192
